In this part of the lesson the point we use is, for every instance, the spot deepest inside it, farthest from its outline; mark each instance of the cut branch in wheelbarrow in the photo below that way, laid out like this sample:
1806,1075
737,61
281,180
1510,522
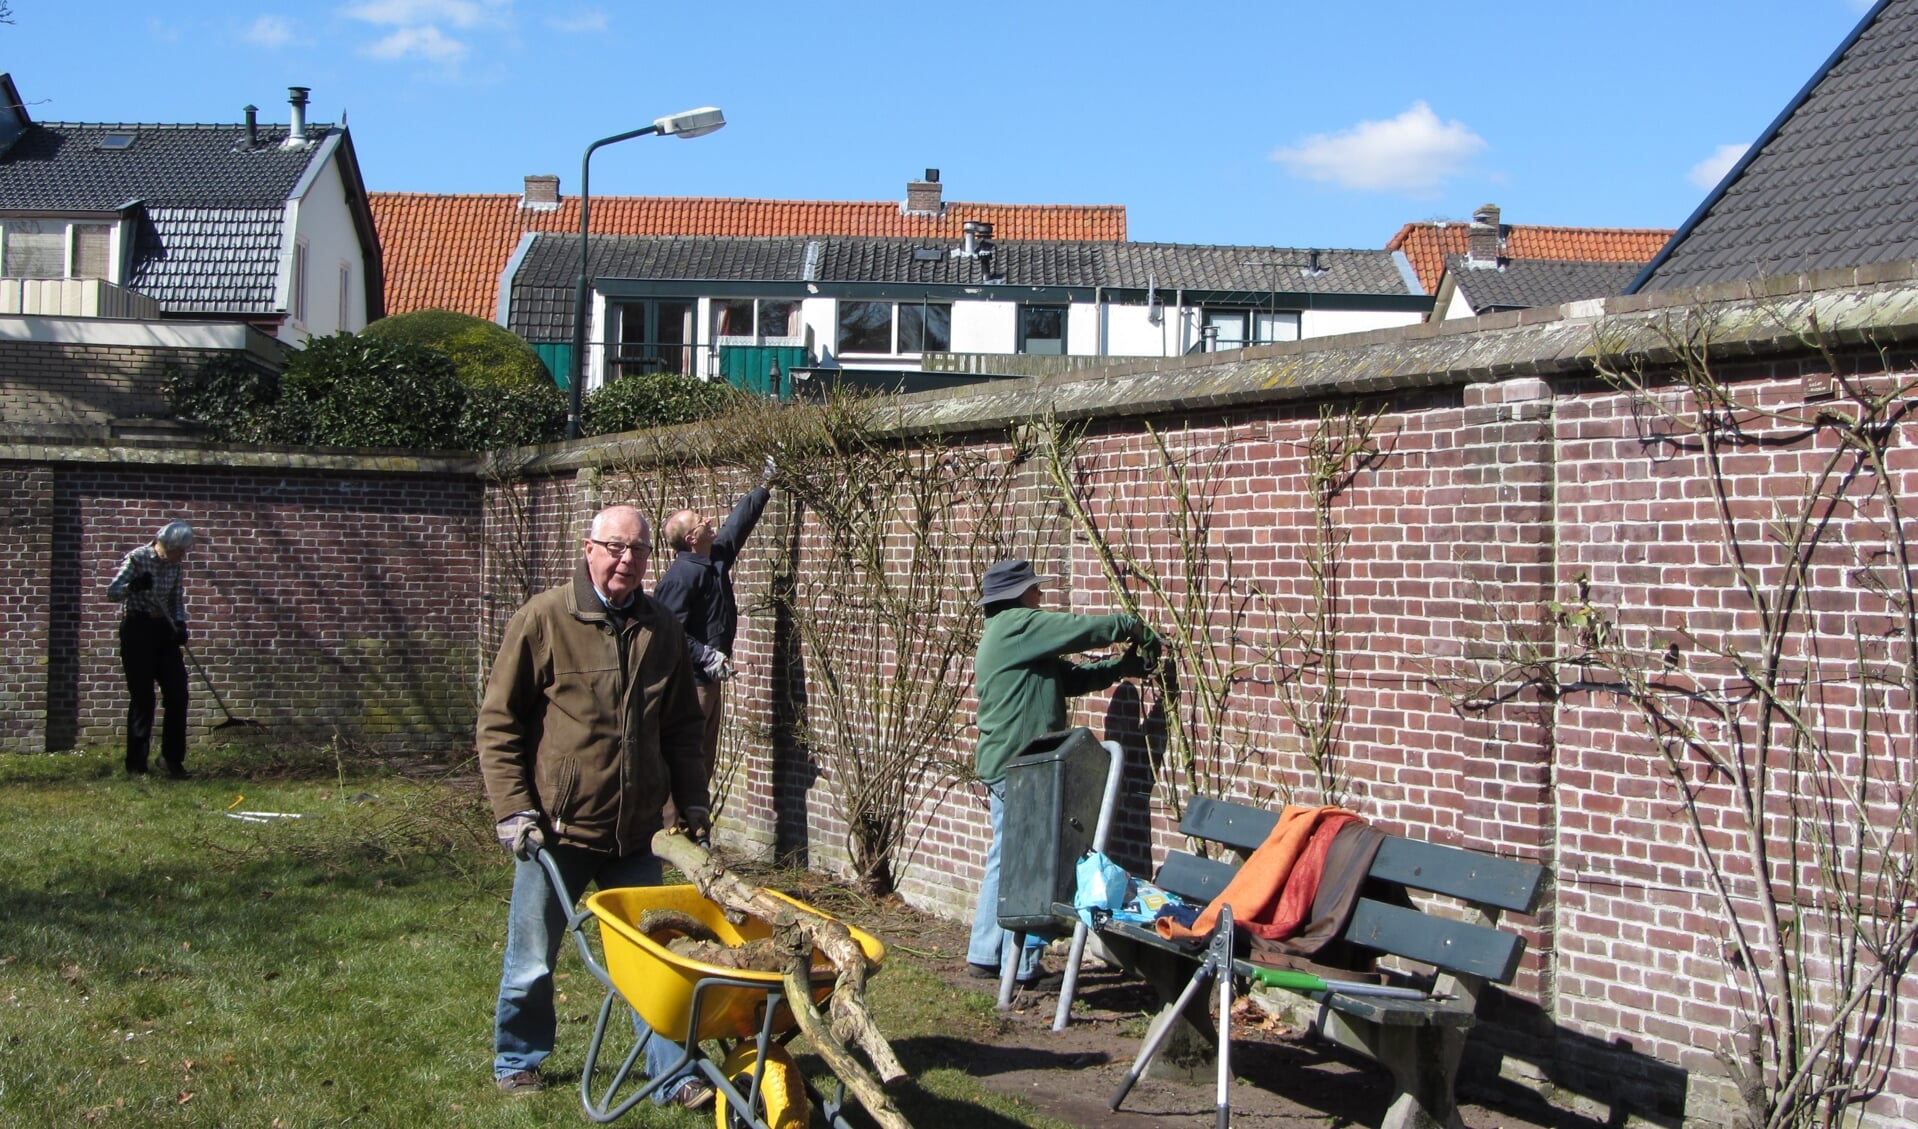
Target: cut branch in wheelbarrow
798,933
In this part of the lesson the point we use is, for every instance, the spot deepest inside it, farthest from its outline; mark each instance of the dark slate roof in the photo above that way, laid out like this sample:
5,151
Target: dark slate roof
209,260
1832,183
209,240
1523,284
542,286
60,165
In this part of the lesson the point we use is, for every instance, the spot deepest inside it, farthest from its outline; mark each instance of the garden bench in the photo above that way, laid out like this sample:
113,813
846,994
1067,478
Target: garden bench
1417,1036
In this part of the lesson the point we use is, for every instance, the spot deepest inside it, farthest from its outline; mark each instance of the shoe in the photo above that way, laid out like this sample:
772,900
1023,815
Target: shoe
136,770
521,1082
178,772
981,971
1043,982
694,1093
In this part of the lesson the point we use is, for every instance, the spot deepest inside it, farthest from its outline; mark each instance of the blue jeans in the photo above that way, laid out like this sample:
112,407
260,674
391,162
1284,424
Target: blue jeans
525,1023
990,943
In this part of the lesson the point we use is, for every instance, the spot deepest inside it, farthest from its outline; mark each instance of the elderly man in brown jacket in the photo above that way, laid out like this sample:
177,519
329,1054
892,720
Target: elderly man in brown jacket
590,721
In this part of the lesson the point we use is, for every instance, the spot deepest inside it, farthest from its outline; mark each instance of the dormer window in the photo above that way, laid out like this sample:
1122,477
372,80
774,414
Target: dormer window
56,249
118,139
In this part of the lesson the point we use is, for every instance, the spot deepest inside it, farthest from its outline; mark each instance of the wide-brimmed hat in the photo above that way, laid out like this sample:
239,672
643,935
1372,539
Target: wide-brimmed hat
1007,580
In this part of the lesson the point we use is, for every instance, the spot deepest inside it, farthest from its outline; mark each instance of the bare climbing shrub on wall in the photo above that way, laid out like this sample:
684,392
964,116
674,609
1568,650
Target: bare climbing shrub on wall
1783,724
1227,630
880,593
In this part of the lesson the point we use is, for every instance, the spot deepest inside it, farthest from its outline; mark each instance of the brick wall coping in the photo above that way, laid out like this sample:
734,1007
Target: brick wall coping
1863,307
173,454
132,334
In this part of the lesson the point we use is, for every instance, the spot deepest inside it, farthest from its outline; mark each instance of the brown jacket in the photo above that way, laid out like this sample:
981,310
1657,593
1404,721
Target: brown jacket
590,727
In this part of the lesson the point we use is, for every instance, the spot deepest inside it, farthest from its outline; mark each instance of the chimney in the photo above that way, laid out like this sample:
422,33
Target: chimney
1483,242
542,193
296,127
923,196
252,126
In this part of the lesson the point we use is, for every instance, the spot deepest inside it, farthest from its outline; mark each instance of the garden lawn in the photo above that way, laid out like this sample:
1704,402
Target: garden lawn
165,964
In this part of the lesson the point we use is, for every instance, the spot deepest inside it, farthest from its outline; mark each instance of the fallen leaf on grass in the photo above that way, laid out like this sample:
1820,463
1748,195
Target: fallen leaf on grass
185,1097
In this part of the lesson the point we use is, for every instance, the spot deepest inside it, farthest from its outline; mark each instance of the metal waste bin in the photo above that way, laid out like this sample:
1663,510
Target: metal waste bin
1055,786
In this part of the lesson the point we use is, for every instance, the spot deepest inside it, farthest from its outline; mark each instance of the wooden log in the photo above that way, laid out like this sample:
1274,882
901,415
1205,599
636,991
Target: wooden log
798,932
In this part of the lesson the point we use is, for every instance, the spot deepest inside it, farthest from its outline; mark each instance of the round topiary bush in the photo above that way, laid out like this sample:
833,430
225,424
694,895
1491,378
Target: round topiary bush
362,391
483,354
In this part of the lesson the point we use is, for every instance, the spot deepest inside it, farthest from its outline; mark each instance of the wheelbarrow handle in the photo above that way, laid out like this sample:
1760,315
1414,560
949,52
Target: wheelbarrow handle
575,916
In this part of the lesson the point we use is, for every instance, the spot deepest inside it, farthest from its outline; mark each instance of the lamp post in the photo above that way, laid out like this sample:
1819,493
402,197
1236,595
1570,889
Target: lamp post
687,123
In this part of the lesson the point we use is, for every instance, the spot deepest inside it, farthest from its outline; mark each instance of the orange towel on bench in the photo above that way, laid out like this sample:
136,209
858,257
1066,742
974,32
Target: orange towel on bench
1271,895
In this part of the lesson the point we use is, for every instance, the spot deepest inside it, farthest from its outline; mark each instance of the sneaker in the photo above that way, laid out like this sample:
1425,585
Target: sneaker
521,1082
694,1093
981,971
1043,982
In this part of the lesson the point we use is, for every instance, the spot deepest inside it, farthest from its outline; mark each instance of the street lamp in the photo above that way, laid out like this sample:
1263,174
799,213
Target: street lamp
687,123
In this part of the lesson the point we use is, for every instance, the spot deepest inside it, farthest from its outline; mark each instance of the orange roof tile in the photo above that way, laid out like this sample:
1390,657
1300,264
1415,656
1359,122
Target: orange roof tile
447,251
1426,245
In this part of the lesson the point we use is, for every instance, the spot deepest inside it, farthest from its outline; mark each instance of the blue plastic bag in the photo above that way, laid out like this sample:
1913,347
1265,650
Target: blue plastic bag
1102,888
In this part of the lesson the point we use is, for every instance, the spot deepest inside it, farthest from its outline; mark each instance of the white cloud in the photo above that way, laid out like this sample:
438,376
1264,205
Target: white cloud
591,19
416,13
1413,153
163,32
269,31
419,42
1707,173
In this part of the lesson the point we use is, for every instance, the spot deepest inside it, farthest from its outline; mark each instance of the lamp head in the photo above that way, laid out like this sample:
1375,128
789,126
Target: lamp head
691,123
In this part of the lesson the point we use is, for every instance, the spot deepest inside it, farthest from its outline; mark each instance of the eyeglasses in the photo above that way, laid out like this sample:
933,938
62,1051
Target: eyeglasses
621,548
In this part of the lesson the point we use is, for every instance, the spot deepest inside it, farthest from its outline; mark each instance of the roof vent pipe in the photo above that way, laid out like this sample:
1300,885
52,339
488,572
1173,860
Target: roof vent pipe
296,126
252,126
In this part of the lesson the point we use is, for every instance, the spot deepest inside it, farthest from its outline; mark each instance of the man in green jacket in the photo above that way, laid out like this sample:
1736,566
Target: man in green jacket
1022,681
590,722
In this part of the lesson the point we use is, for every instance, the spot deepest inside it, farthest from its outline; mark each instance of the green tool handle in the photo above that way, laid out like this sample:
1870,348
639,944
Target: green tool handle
1289,978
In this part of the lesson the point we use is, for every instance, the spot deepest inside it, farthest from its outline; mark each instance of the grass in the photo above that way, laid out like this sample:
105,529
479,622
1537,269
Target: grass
163,964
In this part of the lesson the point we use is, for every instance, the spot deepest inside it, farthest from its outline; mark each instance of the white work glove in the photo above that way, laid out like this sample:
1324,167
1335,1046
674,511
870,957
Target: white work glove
520,833
766,476
717,666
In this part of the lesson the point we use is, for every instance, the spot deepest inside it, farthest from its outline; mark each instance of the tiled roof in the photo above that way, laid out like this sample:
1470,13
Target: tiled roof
1523,284
448,251
1829,184
543,284
60,165
210,260
1428,243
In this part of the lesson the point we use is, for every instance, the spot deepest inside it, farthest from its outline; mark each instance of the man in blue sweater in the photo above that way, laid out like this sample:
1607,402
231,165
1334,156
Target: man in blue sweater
698,589
1022,681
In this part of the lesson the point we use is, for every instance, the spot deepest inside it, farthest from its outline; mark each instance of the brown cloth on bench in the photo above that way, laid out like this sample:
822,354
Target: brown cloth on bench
1273,893
1348,856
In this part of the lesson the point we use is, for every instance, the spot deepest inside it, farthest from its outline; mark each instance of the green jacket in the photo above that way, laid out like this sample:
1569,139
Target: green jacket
1022,682
592,726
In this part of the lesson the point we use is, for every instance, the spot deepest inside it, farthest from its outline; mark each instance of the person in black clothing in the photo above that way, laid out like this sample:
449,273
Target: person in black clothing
148,587
698,589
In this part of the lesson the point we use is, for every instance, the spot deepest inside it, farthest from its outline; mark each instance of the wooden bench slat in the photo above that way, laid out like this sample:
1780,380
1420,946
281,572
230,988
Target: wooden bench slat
1438,941
1482,879
1237,826
1197,880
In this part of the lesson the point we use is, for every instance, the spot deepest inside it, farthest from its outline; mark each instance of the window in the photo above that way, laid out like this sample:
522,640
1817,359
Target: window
759,318
35,249
925,328
346,295
869,327
299,283
1264,326
56,249
92,250
1042,329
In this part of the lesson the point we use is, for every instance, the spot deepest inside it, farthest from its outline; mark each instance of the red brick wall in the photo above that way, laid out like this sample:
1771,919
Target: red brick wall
1488,500
320,600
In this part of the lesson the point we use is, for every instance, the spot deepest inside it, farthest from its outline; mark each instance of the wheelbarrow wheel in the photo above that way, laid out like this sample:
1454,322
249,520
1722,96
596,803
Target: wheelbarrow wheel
782,1091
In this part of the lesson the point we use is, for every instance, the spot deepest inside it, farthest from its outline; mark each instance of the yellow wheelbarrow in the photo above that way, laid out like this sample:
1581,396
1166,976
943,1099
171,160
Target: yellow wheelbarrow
743,1011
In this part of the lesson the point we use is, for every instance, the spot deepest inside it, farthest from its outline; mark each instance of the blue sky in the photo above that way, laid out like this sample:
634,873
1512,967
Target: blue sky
1293,124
